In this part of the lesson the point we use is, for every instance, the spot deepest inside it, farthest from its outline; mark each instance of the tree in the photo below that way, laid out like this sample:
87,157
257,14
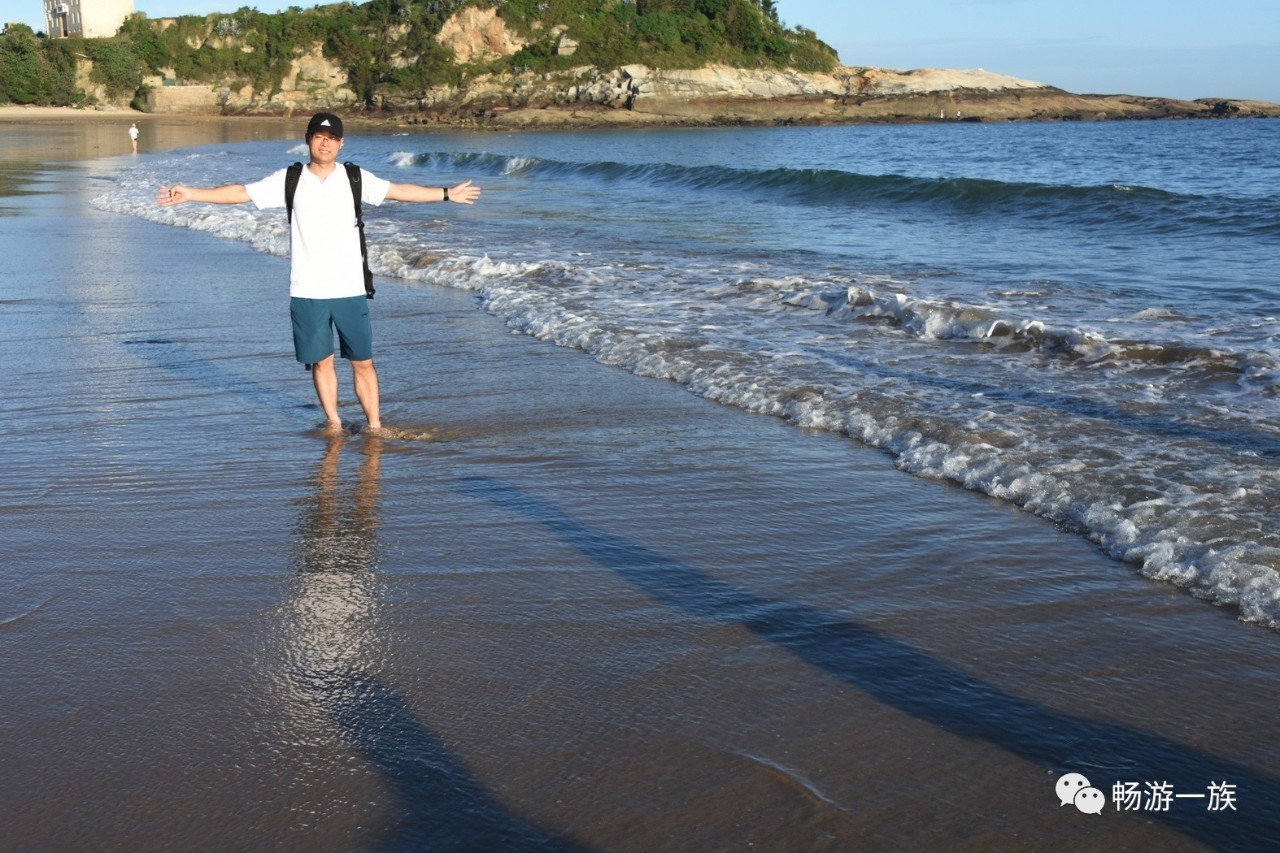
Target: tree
31,72
115,65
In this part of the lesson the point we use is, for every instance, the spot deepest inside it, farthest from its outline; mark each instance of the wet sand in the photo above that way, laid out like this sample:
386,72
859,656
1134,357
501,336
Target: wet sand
589,612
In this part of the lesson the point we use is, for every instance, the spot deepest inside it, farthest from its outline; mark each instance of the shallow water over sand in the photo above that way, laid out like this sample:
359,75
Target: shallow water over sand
1077,319
595,612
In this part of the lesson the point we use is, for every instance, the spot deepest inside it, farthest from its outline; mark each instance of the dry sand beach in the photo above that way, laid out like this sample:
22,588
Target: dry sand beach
577,609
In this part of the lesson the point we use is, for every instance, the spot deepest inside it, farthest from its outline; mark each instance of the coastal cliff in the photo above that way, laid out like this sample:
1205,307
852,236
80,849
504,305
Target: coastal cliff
636,94
715,95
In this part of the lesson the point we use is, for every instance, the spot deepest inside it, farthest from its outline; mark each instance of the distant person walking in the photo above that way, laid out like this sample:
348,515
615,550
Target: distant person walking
133,136
326,280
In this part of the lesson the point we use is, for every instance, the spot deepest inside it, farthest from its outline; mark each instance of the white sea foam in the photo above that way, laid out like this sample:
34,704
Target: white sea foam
518,164
1169,540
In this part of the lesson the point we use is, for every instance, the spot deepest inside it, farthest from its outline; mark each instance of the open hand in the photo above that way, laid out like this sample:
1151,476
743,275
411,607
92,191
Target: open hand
464,193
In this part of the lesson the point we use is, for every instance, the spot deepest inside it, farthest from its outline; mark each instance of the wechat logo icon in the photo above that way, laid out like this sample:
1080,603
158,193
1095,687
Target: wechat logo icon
1074,789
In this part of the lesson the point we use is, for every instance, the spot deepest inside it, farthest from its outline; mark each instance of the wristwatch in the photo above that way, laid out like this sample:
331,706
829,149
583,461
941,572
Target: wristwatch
446,193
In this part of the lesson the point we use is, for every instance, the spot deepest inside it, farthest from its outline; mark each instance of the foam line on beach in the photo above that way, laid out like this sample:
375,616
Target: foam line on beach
1179,539
6,621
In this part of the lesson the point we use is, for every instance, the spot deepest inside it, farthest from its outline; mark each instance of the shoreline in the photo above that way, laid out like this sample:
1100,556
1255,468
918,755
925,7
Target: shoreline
941,107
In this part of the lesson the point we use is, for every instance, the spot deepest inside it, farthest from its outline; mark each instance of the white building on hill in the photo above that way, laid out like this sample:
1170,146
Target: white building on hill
87,18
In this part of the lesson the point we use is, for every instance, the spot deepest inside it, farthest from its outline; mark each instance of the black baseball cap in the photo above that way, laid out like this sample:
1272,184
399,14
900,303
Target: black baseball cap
327,122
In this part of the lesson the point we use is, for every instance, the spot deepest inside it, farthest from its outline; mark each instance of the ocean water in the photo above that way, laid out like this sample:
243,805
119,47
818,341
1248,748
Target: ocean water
1080,319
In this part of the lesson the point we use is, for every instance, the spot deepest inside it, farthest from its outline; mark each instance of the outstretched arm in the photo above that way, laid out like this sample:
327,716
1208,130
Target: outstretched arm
176,194
463,193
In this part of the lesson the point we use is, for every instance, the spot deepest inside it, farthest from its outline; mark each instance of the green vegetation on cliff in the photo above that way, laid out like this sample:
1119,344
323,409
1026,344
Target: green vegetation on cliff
663,34
36,70
389,48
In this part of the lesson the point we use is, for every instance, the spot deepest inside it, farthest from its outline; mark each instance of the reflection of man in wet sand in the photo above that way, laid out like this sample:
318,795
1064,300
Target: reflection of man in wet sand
330,619
326,280
338,533
337,646
133,136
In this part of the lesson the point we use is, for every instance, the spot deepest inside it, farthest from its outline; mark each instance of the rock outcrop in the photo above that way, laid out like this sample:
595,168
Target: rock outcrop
477,35
636,86
313,82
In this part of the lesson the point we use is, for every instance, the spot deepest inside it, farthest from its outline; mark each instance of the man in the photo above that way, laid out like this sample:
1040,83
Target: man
326,280
133,136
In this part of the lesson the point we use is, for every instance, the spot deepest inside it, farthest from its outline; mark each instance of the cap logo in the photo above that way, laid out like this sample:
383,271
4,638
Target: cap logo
325,123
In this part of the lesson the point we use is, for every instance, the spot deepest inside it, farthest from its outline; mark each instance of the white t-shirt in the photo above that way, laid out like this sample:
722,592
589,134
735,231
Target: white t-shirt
324,240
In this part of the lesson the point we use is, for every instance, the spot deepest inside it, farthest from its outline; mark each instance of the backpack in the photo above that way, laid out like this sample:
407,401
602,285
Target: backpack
291,177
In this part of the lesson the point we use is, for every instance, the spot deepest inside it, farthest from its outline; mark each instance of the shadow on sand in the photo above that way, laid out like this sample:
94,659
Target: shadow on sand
929,689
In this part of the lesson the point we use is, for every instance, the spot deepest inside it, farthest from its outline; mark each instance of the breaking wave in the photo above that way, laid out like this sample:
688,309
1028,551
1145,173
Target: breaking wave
1106,205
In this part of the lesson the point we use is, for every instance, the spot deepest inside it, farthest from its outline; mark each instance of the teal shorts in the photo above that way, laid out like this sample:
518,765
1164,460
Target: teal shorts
315,320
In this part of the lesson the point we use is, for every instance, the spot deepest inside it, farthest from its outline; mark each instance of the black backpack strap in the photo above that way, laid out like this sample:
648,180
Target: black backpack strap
353,177
291,176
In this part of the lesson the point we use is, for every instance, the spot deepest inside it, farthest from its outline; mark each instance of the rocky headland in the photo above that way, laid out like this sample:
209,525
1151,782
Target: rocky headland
637,95
717,95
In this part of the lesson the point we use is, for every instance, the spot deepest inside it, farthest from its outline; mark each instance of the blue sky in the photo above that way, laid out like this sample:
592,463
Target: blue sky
1165,48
